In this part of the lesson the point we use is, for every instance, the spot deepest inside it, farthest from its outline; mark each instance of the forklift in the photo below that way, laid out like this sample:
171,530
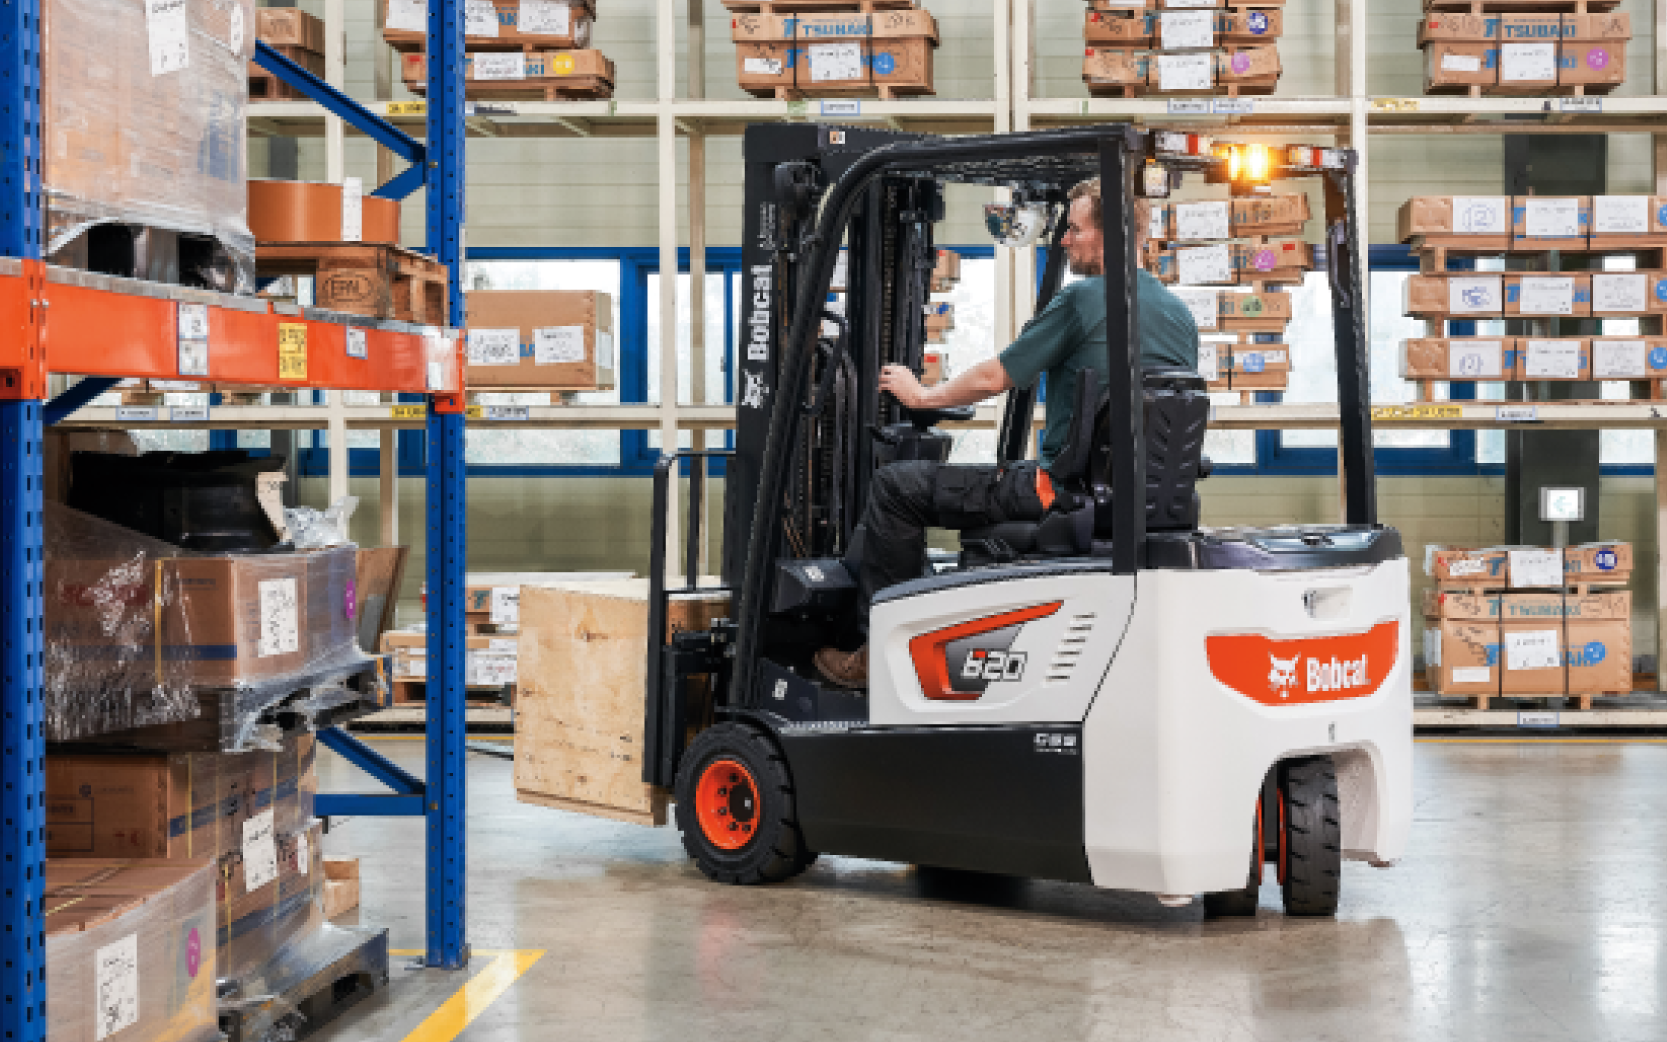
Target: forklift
1112,695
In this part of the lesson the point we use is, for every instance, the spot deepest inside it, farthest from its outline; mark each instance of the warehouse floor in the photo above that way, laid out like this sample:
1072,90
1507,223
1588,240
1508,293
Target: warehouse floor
1533,905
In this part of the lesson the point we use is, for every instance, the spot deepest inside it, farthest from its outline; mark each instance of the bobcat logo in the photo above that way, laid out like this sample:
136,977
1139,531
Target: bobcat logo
753,396
1282,676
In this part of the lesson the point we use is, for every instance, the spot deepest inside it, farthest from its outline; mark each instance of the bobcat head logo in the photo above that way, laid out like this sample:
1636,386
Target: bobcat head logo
1282,674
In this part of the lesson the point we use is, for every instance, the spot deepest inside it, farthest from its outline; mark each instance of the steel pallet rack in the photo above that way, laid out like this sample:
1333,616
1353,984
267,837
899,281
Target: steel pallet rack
54,320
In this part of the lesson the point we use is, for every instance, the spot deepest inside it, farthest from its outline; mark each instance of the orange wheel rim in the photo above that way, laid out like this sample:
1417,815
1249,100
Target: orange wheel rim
726,804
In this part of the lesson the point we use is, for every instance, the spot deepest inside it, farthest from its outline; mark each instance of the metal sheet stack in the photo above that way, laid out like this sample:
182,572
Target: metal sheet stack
1227,259
535,50
1182,47
1476,47
1546,231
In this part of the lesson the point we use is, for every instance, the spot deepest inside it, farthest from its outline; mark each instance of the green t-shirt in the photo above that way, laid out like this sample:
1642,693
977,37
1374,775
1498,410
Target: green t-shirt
1070,336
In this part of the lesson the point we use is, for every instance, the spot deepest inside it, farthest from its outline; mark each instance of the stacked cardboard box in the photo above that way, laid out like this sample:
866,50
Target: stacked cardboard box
296,35
540,340
1529,621
250,814
881,50
940,318
489,663
1182,48
534,49
1577,51
1443,228
1253,245
128,952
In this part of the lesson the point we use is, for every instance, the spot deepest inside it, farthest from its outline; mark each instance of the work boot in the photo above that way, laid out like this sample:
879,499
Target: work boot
843,668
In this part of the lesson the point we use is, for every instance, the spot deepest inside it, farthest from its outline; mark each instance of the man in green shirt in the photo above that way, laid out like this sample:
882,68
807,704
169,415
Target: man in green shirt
1067,337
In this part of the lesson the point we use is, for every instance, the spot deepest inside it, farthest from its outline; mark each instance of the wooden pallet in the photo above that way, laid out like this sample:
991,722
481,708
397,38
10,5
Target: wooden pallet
1523,6
1433,253
1425,391
1226,90
547,88
415,692
1477,90
553,396
1581,702
881,91
361,279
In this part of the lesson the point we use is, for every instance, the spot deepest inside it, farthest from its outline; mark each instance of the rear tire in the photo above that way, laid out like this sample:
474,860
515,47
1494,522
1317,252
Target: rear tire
1224,904
1311,847
735,808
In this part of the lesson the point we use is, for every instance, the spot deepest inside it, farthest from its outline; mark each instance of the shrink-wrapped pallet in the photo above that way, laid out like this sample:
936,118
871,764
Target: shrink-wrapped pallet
143,110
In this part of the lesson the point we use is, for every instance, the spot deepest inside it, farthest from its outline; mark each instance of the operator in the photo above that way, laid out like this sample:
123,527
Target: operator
1068,336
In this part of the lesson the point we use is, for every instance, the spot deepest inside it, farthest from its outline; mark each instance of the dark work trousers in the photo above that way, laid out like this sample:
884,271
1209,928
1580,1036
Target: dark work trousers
907,498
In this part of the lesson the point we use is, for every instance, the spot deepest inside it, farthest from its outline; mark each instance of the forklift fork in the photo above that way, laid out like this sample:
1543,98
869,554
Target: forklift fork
676,665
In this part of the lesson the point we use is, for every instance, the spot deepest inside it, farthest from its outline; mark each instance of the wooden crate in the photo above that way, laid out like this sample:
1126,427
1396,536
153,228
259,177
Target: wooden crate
362,279
579,711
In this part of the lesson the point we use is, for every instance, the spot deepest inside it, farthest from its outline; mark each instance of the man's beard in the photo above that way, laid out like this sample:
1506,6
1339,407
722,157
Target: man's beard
1087,268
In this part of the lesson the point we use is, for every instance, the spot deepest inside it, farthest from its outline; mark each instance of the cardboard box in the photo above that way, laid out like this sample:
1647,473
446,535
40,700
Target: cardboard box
1539,607
832,52
488,661
1248,65
1629,358
1530,28
1258,367
1548,296
1438,296
1615,26
1465,566
934,370
289,27
1626,293
1620,221
128,950
566,23
173,804
1183,73
1458,358
1591,62
1461,604
1116,29
255,922
940,319
1250,26
1461,657
1598,563
1270,214
536,65
1598,656
1458,27
946,272
1455,63
1550,222
561,339
1115,66
1266,312
341,886
1552,358
1531,658
1281,260
1479,221
223,620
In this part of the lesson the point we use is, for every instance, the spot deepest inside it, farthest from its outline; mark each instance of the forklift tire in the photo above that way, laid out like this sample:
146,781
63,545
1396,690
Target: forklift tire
1225,904
1310,836
735,808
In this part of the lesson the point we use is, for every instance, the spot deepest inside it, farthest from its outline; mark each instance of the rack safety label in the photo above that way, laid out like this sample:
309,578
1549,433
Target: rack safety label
1394,104
1517,414
192,326
407,108
1589,106
407,412
292,350
136,413
1189,106
1539,718
1391,413
1232,106
188,414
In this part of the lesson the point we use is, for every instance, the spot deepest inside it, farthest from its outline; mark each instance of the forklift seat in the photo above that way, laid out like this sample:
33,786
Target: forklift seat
1177,413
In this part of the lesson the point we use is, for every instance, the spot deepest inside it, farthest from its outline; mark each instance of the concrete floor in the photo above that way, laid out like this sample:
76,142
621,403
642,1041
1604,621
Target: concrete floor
1533,905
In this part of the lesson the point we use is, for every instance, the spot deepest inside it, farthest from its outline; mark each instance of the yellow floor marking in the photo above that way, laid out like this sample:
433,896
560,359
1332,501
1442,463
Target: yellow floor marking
471,1000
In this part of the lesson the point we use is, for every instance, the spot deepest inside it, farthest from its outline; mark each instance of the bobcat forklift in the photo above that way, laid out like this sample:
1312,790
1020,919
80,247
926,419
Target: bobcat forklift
1112,695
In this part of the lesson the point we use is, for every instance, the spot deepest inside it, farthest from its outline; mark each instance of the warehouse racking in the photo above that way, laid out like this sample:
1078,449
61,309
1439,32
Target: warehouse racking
60,321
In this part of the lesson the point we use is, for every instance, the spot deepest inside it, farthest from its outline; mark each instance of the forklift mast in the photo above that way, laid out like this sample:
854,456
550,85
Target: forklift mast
889,260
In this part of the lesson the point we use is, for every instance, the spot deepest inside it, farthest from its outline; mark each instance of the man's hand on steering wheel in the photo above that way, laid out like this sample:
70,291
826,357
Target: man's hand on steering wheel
900,381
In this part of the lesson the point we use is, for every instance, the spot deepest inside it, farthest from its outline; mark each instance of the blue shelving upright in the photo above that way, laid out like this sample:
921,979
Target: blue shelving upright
437,166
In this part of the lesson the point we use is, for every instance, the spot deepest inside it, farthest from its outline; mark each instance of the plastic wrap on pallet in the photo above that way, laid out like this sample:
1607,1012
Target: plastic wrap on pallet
139,632
144,109
271,894
128,950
